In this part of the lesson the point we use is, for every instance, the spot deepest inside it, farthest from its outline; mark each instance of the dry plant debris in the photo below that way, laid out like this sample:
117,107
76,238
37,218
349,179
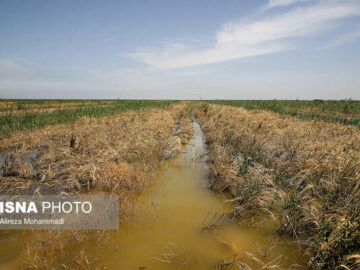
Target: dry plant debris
116,153
302,174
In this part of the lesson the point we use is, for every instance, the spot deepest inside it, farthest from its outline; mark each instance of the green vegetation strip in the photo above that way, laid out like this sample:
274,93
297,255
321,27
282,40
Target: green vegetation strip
10,123
55,101
330,111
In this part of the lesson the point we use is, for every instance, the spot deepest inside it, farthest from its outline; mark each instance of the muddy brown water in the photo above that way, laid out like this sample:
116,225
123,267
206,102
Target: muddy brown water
166,228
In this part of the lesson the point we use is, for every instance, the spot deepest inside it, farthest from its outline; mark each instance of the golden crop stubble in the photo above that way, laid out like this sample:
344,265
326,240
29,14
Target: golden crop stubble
310,172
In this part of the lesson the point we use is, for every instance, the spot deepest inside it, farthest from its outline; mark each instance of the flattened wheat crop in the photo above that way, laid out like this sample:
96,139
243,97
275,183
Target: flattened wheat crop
346,112
116,153
32,114
304,174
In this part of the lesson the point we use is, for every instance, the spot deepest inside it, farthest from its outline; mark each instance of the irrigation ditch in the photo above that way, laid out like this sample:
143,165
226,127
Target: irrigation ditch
179,223
245,194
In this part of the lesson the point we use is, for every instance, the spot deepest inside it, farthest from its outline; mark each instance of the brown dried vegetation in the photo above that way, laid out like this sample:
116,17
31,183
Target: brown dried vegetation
302,174
116,153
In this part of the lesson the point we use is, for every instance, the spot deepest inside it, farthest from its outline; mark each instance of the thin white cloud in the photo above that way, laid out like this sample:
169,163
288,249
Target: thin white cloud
268,35
10,67
346,38
281,3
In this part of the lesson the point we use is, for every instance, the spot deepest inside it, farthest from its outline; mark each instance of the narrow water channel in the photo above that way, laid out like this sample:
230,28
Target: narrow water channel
167,229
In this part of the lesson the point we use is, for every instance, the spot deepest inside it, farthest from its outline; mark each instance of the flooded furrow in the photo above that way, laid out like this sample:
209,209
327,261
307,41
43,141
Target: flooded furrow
170,227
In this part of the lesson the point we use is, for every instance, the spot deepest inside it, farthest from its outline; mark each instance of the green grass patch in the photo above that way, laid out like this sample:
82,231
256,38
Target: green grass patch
10,122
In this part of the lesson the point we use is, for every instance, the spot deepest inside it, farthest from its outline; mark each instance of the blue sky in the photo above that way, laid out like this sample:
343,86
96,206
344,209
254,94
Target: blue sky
214,49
